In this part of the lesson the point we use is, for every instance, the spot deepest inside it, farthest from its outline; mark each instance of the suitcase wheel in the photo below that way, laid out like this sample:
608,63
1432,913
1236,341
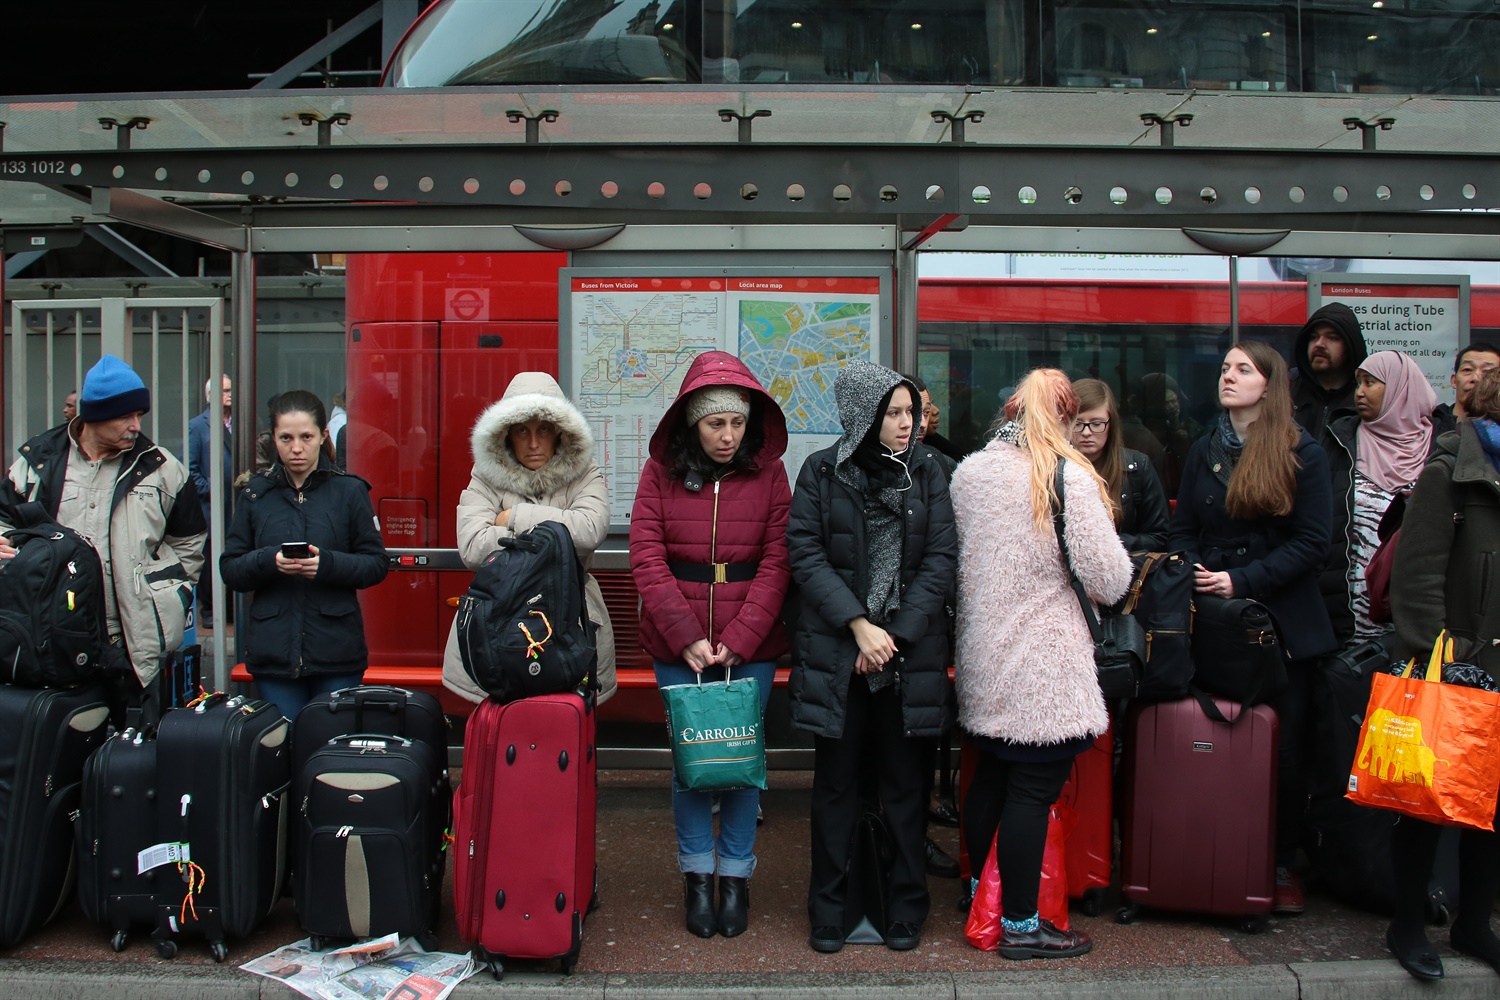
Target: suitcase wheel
166,948
119,941
1256,924
1092,903
569,963
317,942
428,940
1127,914
219,950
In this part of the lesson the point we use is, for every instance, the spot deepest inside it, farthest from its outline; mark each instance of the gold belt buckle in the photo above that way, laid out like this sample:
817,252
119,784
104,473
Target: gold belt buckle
721,572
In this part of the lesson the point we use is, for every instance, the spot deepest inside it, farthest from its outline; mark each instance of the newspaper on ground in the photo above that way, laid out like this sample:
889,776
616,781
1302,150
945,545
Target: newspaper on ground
386,968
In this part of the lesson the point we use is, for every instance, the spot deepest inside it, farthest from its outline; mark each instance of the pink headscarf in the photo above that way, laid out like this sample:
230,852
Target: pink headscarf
1392,446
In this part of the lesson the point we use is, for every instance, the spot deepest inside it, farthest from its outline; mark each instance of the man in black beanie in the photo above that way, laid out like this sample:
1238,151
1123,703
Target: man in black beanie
133,502
1330,348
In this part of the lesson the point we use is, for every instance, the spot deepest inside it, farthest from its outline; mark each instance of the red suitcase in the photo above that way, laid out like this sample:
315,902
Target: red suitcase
1199,828
1090,849
524,872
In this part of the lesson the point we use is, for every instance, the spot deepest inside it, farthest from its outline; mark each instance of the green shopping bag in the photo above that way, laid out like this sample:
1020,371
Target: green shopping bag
718,739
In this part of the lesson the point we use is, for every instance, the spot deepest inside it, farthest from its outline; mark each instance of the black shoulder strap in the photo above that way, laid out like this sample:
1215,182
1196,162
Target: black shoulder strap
1062,544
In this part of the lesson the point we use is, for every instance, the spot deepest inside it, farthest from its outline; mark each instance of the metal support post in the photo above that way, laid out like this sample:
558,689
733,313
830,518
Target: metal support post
533,123
114,329
1168,124
243,296
325,125
1234,300
956,121
730,115
1368,129
904,345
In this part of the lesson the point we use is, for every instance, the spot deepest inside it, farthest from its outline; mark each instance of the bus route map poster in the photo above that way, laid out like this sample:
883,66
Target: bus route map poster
634,338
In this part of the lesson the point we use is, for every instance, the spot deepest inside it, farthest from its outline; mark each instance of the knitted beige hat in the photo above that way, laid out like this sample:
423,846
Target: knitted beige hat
717,399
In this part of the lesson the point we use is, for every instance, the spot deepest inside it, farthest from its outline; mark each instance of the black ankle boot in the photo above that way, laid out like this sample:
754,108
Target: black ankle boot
699,893
734,905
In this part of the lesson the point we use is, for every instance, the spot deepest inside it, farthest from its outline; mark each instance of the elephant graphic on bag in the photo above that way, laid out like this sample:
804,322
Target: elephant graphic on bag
1393,749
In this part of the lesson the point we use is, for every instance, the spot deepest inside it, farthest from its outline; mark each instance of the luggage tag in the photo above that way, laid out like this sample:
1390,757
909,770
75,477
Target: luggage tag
162,854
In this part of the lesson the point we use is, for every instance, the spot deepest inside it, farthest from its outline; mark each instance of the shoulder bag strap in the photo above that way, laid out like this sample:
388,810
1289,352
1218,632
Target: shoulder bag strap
1133,597
1062,544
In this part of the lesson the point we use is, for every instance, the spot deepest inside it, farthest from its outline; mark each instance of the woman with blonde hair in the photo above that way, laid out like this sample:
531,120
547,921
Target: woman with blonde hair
1254,516
1027,691
1138,502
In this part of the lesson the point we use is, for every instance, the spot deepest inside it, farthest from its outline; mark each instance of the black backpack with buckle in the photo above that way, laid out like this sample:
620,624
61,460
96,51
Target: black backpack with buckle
52,631
523,627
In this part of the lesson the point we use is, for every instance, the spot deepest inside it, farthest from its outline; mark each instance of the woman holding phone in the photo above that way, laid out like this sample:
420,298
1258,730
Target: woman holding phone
303,541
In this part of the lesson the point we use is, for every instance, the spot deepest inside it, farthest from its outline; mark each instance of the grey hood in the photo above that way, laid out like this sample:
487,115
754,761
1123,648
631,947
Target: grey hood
531,396
858,390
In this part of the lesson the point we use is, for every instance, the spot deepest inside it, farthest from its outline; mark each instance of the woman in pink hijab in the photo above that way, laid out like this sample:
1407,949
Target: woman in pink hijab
1375,454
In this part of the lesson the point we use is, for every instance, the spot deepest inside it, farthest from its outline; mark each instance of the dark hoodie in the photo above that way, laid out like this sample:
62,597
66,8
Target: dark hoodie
1312,404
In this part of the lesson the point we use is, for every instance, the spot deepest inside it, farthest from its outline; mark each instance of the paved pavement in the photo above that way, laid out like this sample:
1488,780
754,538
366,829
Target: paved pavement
635,945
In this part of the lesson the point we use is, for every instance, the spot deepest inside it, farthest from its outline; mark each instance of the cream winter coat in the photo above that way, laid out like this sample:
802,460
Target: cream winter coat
570,489
1025,662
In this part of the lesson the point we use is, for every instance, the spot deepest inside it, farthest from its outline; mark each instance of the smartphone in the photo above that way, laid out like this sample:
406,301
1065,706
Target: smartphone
295,550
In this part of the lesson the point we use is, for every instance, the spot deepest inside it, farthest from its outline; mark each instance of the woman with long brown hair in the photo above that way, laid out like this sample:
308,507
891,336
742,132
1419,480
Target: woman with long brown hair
1253,515
1028,693
1138,502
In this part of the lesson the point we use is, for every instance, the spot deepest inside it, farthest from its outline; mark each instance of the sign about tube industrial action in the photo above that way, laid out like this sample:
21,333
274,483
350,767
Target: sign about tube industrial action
1425,316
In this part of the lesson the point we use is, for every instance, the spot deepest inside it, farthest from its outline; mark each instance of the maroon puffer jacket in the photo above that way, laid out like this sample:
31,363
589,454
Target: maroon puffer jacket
671,522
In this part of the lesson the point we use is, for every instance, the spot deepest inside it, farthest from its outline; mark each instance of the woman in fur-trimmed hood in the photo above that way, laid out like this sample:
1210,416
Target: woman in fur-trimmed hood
533,462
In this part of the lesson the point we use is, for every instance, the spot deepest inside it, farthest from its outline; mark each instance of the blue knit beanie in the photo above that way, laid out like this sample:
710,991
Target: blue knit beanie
112,389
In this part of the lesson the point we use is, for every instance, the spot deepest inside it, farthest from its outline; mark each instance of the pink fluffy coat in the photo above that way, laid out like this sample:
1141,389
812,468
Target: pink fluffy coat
1025,662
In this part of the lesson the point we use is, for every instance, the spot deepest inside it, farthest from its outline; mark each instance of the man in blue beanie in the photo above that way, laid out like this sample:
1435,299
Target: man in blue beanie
135,504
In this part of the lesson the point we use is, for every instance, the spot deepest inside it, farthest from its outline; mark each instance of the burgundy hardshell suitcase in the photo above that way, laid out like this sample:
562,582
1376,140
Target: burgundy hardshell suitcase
1090,848
1199,826
524,871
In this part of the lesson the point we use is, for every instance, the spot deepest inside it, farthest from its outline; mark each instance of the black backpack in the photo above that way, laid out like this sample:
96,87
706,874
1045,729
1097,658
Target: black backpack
523,627
52,631
1161,598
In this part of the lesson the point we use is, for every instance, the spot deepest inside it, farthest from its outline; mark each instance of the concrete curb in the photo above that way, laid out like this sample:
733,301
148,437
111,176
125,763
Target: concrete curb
1355,980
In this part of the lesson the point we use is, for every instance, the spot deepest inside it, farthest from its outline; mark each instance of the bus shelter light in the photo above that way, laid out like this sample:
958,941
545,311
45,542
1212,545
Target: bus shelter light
325,125
124,128
1167,123
957,121
731,115
533,122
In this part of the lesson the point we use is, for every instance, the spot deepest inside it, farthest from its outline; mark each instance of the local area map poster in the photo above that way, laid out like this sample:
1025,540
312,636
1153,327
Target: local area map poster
1428,319
634,338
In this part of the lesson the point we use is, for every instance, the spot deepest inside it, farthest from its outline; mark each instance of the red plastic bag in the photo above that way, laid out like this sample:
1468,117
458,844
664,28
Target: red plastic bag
983,928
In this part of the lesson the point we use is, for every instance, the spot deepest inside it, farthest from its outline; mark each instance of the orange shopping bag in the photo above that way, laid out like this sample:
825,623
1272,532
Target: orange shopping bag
1427,748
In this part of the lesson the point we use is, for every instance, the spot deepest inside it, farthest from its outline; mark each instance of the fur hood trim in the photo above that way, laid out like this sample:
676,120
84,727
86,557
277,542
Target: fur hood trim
531,396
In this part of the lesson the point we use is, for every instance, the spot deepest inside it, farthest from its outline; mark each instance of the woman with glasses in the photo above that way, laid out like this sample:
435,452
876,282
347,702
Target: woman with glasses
1139,505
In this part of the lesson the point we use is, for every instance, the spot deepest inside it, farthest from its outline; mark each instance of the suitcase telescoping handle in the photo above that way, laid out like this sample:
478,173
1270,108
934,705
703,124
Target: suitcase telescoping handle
370,742
373,697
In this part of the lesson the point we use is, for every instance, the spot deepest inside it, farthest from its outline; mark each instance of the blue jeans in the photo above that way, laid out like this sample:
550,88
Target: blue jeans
290,694
693,811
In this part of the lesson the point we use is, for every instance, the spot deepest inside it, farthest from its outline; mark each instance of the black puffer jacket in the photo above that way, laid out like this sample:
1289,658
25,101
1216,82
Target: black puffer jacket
1144,518
830,557
299,627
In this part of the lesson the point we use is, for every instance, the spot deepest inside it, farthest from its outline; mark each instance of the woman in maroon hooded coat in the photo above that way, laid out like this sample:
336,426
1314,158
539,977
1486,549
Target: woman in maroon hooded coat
712,506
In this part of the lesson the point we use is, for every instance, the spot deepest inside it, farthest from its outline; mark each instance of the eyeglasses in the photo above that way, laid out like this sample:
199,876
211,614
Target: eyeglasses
1090,426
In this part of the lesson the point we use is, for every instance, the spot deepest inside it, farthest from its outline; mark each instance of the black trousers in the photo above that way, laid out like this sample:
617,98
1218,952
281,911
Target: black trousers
1015,798
1414,845
1294,712
873,745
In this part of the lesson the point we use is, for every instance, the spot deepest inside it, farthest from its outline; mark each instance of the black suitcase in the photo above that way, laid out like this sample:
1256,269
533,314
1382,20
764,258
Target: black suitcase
1350,845
369,710
371,856
116,821
45,737
223,768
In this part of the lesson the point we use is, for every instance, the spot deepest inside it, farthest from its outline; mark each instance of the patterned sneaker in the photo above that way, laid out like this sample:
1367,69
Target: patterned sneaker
1288,895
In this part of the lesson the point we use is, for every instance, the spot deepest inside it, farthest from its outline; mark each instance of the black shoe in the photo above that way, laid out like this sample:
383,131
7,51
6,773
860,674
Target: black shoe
903,936
939,864
941,812
1044,942
699,899
734,905
1419,959
826,939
